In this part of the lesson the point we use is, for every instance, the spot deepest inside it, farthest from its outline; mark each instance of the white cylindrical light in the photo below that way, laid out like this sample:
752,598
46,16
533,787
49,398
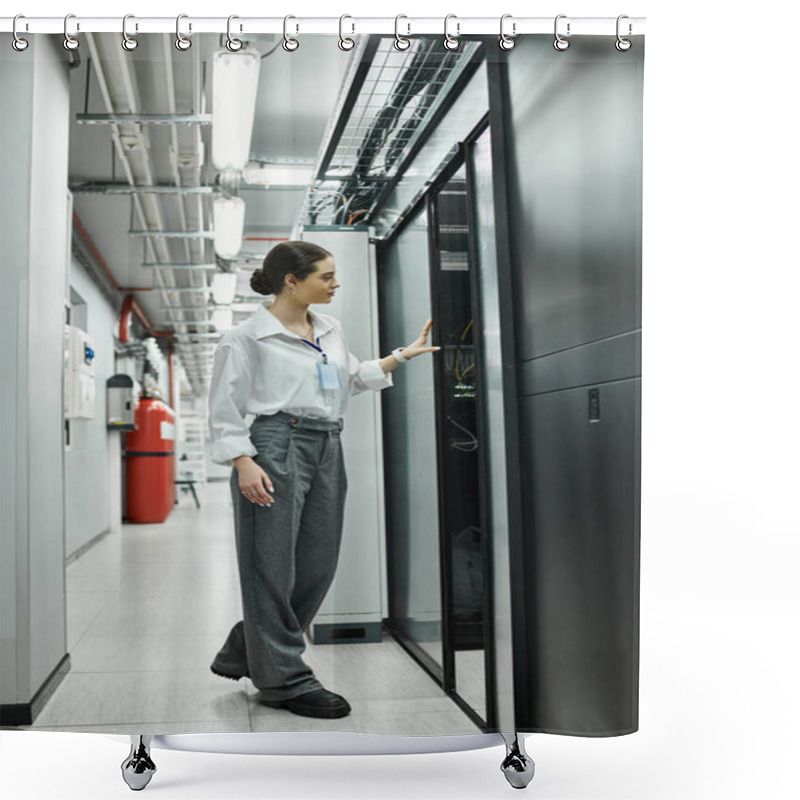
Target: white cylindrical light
222,318
278,174
228,226
223,288
234,92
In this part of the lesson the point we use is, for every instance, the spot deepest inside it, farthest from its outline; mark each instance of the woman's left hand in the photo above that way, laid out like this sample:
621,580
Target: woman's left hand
418,347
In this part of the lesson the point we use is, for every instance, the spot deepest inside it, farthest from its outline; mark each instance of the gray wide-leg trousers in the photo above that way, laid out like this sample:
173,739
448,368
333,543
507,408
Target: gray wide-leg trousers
287,552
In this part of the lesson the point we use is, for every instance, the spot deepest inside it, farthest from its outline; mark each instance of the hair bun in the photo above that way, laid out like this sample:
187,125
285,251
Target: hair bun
259,282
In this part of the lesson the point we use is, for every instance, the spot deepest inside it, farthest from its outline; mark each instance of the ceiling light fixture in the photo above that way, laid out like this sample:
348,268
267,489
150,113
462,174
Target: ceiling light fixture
234,93
223,319
278,174
223,287
228,226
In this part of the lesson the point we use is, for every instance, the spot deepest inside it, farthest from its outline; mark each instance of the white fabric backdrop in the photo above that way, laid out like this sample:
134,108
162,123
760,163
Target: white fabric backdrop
719,447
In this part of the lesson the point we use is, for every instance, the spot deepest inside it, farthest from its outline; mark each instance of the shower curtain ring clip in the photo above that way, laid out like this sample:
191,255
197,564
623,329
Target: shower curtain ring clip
400,42
128,42
561,43
234,45
70,42
506,41
346,43
19,44
181,42
290,44
451,42
623,44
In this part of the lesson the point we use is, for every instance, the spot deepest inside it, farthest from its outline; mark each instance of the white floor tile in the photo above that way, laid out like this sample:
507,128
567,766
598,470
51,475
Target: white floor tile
147,610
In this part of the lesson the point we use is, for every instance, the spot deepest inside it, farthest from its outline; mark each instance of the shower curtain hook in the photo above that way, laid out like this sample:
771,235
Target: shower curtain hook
561,43
623,44
70,42
451,42
400,42
234,45
346,43
19,44
290,44
128,42
506,41
181,42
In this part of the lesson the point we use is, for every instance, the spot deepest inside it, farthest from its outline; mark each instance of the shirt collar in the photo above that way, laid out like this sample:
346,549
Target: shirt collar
267,324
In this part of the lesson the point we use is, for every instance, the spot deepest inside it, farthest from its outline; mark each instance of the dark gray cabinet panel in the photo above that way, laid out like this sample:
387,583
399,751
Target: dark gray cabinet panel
581,557
570,146
574,176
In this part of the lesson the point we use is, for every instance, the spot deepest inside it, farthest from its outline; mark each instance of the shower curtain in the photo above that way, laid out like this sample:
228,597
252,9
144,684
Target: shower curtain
488,573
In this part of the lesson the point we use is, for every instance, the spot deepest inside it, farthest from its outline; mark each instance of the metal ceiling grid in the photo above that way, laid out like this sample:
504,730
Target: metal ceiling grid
388,108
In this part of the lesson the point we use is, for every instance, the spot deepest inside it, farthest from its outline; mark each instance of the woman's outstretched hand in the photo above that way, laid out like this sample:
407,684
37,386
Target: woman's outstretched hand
418,347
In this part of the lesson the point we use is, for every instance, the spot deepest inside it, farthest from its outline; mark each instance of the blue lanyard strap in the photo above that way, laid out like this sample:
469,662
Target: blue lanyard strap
316,347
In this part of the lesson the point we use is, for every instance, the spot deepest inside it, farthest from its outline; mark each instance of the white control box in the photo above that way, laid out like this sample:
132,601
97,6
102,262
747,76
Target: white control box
79,374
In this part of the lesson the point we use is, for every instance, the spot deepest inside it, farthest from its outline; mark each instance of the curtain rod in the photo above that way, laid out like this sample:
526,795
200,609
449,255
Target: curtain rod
406,25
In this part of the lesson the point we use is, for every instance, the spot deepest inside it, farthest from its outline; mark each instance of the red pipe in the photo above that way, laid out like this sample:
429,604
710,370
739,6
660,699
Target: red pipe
129,306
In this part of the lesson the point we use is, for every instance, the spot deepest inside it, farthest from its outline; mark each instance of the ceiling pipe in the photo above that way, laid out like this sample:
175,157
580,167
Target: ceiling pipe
120,92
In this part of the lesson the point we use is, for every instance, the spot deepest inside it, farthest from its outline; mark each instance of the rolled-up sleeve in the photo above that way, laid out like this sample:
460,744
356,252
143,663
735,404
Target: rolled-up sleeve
231,380
367,375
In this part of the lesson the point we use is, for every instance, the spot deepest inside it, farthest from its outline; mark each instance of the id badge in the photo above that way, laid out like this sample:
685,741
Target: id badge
328,375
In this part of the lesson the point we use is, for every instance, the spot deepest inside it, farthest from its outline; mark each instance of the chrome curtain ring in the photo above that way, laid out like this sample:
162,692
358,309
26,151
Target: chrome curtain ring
19,44
400,42
623,44
70,42
181,42
561,43
348,43
506,41
234,45
451,42
290,44
128,42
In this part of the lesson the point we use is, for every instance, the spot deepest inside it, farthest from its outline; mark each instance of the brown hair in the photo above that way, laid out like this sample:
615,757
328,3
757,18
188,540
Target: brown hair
296,258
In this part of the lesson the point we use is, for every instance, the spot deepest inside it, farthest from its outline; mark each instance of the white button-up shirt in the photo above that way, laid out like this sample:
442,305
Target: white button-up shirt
261,367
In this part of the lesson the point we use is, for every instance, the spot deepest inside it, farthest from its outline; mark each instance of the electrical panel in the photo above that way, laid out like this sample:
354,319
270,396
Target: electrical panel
79,374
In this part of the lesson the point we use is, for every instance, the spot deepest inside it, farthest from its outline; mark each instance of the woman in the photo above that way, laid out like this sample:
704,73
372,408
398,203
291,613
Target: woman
292,368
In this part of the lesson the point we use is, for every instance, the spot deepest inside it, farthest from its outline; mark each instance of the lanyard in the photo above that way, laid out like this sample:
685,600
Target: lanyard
316,347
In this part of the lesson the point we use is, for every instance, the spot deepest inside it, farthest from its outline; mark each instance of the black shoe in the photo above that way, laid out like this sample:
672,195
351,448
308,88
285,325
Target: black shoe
227,675
232,652
319,703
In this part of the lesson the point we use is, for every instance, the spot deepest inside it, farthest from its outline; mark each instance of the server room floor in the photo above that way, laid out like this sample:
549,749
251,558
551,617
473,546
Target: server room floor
147,610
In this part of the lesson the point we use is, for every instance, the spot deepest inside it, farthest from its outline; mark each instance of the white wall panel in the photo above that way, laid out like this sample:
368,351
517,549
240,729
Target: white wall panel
35,240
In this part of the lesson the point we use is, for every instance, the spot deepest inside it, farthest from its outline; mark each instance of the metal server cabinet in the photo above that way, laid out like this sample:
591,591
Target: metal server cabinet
567,137
553,182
